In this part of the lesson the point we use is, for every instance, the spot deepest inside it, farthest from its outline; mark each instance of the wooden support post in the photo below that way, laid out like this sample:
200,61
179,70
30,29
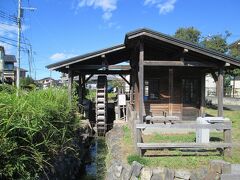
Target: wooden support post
141,102
140,81
220,92
202,108
70,82
170,83
80,90
83,86
227,136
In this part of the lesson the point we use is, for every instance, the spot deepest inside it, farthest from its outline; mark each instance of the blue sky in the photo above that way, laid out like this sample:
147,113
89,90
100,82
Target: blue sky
60,29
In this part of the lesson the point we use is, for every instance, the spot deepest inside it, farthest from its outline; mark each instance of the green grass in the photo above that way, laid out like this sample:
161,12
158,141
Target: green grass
189,137
174,158
91,95
35,127
101,160
177,161
127,139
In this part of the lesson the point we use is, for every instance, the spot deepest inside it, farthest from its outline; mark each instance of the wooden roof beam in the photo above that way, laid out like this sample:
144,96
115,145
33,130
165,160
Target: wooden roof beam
95,67
178,63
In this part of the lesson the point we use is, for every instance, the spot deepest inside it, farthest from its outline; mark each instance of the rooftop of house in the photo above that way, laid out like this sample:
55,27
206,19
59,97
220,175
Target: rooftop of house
9,58
21,69
46,78
122,52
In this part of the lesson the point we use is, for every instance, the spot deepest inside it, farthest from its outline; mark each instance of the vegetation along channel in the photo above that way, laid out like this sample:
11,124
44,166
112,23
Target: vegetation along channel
43,136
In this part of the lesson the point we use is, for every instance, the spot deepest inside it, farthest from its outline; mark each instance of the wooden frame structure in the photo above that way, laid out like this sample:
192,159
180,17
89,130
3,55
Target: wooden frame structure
166,74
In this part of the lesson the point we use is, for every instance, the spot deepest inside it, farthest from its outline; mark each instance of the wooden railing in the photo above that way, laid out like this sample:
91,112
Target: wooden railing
225,126
131,120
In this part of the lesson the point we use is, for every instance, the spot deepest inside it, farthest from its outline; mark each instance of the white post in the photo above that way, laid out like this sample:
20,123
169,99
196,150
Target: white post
18,44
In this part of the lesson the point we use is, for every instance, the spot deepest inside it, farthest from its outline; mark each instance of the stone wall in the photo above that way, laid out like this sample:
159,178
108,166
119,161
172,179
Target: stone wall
120,170
226,101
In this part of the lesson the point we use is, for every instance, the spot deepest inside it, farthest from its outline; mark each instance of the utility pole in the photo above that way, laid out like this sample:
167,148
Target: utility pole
18,44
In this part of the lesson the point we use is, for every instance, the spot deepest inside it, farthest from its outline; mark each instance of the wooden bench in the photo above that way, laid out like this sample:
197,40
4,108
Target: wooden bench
164,118
218,123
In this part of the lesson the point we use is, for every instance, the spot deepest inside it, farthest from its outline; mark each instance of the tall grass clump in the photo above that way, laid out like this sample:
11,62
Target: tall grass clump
35,127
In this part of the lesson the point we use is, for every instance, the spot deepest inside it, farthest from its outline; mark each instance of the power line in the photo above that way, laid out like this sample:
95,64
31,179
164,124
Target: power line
8,17
7,24
8,31
22,49
13,40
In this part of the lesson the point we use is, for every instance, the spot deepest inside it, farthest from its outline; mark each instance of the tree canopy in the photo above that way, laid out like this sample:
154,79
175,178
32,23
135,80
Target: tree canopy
189,34
217,42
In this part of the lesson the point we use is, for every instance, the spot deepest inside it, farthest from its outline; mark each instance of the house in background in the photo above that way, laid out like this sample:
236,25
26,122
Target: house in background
8,73
1,63
8,70
210,88
47,82
235,84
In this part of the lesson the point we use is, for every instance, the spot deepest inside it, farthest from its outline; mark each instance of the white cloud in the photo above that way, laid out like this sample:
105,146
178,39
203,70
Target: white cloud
61,56
164,6
107,6
9,31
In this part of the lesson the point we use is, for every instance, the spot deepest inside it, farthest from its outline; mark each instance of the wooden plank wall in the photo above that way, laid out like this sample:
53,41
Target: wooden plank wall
163,103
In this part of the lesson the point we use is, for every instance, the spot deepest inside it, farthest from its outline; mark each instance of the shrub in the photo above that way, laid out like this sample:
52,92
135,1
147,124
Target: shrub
137,158
34,128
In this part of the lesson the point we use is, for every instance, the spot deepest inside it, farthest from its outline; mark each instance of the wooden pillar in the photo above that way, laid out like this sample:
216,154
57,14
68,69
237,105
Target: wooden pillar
202,108
80,89
70,82
81,84
234,80
227,136
140,81
141,101
220,92
170,84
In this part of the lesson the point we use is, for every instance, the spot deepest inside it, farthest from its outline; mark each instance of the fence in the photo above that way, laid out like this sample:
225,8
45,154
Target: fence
228,92
225,126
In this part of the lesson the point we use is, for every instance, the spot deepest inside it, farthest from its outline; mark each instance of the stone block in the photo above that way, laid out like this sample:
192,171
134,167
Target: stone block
199,174
118,170
135,169
158,173
230,176
212,175
217,165
125,173
169,174
235,168
146,173
182,174
156,177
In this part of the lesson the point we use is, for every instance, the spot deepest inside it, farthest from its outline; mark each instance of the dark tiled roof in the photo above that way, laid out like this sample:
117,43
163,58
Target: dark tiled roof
9,58
152,34
21,69
85,56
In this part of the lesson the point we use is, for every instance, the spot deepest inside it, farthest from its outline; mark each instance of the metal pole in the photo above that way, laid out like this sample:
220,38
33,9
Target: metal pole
18,45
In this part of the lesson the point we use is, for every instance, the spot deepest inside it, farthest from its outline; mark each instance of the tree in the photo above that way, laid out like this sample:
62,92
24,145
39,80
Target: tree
27,83
189,34
217,42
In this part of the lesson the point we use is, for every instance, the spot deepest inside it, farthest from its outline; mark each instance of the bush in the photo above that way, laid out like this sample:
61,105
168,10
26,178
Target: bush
7,88
137,158
34,128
